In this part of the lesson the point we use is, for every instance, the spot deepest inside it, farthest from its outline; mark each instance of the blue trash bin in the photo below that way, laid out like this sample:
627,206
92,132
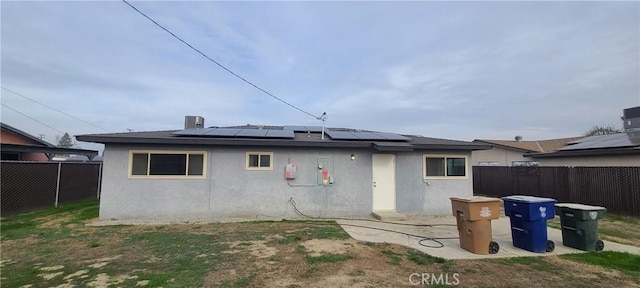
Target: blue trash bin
528,216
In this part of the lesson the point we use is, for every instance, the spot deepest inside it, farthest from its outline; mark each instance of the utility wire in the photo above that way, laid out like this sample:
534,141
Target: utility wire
54,109
25,115
222,66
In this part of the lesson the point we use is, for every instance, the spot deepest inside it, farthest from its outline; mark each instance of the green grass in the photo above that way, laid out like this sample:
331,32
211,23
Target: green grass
625,219
25,225
240,282
327,258
420,258
605,231
622,261
394,257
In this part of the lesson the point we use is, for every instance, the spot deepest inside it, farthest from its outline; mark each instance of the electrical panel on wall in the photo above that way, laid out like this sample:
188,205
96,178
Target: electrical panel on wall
324,166
290,171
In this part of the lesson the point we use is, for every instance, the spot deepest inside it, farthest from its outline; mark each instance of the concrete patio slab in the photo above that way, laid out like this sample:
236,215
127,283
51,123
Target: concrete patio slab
444,227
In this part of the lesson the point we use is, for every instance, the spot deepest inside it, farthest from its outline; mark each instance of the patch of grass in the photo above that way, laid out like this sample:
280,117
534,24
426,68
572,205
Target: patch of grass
394,257
93,244
622,261
625,219
288,239
328,232
327,258
300,249
240,282
24,225
606,231
420,258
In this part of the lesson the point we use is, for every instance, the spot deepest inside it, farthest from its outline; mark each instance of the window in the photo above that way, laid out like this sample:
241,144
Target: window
163,164
259,161
445,166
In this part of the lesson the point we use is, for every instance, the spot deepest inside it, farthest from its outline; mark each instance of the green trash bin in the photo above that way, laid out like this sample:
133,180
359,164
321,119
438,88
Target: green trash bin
580,225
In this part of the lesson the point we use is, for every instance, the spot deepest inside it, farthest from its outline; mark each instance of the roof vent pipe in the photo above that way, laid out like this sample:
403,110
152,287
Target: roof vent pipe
518,138
323,117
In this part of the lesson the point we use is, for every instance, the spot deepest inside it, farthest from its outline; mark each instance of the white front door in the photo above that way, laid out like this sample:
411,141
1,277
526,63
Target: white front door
384,182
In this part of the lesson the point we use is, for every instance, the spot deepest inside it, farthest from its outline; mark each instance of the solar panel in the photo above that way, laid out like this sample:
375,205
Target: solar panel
191,132
280,134
604,141
341,135
222,132
258,133
392,136
303,128
367,136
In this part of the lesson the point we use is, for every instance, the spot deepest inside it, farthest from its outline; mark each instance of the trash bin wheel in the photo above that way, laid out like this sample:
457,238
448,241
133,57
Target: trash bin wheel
599,245
550,246
493,247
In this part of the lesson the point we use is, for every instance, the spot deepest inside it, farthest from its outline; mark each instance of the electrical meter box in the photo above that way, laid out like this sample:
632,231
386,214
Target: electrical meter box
290,171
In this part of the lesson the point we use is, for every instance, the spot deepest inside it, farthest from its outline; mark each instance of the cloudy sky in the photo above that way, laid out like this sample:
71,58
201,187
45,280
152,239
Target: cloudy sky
456,70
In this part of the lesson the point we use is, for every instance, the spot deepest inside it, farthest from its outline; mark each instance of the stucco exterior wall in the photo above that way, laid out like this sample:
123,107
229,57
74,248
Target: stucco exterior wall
427,196
231,191
592,161
503,156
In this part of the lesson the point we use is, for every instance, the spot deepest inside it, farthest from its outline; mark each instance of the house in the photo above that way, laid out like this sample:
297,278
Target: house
16,144
620,149
275,171
516,152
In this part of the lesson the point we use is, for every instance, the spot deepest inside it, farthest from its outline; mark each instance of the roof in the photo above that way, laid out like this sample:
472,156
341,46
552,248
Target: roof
25,134
611,144
286,136
47,149
540,146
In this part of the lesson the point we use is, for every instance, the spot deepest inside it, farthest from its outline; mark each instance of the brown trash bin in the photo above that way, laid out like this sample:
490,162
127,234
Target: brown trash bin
473,216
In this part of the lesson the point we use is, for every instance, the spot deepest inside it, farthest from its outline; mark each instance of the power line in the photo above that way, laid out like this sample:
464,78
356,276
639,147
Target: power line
45,105
221,66
34,119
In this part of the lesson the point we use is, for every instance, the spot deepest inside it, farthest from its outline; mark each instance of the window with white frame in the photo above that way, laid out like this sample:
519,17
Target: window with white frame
167,164
445,166
259,161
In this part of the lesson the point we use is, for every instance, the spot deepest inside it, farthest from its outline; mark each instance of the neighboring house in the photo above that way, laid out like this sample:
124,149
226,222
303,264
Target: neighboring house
16,144
516,153
620,149
262,171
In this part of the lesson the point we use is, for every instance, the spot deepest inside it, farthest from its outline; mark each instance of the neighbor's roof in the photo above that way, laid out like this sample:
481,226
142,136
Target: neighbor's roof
287,136
25,134
611,144
541,146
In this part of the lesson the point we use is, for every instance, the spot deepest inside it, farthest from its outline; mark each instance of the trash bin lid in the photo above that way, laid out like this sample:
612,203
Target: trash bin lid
475,199
528,199
577,206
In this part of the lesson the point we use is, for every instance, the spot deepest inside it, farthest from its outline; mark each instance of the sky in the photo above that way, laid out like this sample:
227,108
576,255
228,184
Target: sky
454,70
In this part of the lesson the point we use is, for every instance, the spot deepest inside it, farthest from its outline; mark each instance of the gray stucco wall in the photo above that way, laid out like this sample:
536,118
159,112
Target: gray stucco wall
416,195
231,191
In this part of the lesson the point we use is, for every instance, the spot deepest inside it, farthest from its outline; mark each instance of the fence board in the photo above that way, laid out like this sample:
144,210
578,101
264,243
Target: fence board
616,188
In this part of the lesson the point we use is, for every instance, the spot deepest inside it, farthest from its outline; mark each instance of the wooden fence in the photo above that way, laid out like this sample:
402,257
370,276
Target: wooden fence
615,188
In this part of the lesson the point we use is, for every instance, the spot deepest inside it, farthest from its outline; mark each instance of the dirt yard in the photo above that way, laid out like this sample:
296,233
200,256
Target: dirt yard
56,251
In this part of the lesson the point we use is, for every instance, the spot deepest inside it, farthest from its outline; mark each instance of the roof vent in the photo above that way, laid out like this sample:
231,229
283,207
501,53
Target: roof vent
193,122
518,138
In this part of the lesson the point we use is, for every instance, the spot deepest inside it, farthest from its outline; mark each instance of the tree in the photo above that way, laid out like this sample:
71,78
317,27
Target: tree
65,141
602,130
